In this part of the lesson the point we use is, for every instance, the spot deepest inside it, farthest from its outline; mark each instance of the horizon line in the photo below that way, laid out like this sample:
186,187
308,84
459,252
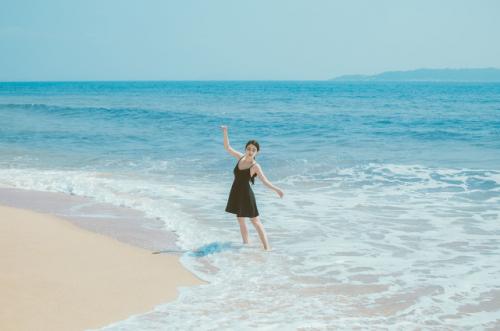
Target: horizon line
162,80
330,80
247,80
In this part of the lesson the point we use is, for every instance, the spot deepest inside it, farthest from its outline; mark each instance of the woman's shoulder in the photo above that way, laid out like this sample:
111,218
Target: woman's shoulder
255,167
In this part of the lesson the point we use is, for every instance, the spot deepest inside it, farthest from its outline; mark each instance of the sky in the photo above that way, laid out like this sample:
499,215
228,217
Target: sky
60,40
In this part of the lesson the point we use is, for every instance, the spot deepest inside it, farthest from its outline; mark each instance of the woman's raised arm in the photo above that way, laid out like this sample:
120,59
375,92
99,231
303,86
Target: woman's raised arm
228,147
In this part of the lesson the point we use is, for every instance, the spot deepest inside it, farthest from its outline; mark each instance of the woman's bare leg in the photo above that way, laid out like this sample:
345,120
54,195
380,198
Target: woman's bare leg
243,229
260,230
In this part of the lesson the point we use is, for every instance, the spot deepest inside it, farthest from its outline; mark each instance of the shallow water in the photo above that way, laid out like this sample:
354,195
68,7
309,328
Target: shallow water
390,218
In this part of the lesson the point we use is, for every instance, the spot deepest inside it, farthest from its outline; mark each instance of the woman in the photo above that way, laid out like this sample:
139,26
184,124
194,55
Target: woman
241,199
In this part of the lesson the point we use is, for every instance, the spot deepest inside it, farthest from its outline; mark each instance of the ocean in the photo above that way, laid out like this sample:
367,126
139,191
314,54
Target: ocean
390,218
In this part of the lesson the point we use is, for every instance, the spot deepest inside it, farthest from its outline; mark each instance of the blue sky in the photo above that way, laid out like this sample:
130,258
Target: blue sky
240,40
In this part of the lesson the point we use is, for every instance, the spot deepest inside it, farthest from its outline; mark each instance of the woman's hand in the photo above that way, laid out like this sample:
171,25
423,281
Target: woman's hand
280,192
224,128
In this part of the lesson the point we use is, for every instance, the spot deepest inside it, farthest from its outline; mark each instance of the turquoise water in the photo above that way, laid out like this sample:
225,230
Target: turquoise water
391,211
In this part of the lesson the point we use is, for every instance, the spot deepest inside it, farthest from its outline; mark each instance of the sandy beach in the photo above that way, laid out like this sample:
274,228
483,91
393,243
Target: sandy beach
57,276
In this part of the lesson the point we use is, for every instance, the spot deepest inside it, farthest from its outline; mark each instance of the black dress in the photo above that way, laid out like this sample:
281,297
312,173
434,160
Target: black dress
241,199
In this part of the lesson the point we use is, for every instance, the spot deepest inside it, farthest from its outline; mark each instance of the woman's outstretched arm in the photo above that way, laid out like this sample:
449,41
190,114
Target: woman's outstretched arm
228,147
263,178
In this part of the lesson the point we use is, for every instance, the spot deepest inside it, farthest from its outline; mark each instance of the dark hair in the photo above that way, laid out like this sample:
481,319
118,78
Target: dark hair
256,144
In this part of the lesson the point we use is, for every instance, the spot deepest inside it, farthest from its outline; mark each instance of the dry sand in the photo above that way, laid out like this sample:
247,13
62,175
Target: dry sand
57,276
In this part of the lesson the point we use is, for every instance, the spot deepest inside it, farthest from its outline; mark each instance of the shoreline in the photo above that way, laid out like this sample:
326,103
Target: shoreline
125,224
55,275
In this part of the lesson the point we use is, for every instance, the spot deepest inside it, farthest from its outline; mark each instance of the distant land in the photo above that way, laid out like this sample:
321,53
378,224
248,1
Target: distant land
429,75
